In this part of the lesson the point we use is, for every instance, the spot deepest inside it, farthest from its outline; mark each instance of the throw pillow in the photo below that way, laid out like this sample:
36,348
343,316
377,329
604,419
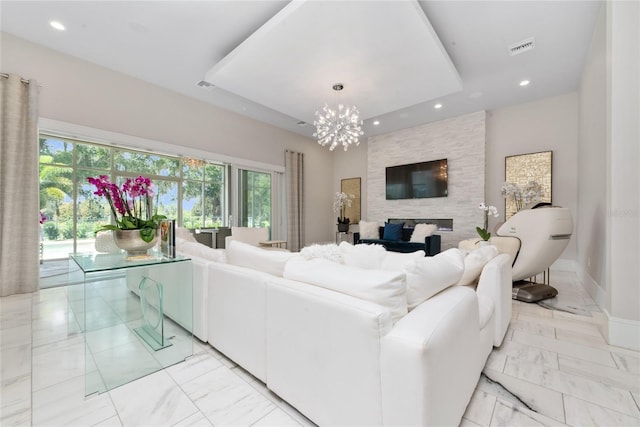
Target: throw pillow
422,231
362,256
369,230
330,252
430,275
256,258
392,231
385,288
474,262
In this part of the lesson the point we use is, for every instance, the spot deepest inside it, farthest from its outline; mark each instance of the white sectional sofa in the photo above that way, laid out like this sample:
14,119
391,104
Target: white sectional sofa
347,345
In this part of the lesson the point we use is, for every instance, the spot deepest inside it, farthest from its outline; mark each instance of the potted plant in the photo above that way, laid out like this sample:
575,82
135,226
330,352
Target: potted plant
135,228
486,211
341,202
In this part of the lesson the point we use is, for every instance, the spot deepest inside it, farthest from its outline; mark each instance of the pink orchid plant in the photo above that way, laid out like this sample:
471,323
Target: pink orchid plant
131,205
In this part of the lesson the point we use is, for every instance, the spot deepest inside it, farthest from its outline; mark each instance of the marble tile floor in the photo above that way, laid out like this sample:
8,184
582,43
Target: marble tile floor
553,369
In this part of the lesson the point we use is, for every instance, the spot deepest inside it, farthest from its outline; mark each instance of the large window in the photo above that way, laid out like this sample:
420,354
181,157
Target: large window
189,190
203,192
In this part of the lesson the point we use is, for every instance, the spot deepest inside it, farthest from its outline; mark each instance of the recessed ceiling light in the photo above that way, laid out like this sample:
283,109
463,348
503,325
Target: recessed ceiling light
524,82
437,106
376,122
57,25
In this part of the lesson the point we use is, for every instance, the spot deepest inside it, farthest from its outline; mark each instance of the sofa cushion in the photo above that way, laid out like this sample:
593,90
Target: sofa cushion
362,256
398,261
184,234
422,231
254,257
474,262
199,250
369,230
330,251
430,275
386,288
392,231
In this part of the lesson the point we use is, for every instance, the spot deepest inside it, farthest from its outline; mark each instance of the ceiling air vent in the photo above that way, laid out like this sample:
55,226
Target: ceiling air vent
522,46
205,85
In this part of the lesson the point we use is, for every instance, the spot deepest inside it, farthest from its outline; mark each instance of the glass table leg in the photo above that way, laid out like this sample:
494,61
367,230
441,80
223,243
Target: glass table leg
151,301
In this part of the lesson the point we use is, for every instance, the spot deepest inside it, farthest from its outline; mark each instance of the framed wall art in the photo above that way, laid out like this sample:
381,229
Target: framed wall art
351,186
526,168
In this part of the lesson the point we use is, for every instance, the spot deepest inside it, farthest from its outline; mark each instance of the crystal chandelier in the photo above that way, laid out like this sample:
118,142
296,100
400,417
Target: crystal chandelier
342,126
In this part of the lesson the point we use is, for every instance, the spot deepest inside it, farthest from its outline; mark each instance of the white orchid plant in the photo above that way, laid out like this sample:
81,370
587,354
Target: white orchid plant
341,202
487,210
532,192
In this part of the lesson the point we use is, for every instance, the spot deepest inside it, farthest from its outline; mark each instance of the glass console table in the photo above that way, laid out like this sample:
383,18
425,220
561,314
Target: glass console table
136,315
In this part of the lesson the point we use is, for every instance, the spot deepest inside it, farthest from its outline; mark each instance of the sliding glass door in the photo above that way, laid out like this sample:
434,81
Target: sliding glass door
254,190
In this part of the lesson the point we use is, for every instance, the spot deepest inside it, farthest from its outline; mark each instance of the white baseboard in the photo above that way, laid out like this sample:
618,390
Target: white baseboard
619,332
591,286
623,332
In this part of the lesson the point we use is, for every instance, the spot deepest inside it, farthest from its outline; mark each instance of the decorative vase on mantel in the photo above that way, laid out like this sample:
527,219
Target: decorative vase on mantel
130,241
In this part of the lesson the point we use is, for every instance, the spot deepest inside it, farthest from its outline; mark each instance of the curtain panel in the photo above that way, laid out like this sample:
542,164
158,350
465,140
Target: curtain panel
294,178
19,186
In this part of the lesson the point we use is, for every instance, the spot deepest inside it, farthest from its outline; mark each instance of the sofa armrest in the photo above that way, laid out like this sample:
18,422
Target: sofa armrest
429,361
432,244
236,315
339,336
495,283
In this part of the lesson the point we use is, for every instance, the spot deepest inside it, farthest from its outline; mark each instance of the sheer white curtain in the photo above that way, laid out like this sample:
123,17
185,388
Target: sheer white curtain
294,178
19,186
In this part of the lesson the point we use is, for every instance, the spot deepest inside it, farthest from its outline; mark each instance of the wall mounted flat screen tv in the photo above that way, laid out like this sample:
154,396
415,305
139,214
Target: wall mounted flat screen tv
417,180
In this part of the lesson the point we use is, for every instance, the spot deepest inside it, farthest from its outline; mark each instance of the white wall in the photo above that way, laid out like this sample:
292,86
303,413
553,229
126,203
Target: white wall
460,140
609,157
623,156
543,125
82,93
592,167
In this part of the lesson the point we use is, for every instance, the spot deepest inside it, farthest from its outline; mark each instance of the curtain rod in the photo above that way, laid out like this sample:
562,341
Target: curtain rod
6,76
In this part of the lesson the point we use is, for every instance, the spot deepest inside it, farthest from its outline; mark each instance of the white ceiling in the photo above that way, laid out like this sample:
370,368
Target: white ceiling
276,61
344,42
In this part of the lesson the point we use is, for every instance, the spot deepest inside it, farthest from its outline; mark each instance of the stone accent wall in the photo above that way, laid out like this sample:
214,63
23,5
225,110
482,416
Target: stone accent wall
461,140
